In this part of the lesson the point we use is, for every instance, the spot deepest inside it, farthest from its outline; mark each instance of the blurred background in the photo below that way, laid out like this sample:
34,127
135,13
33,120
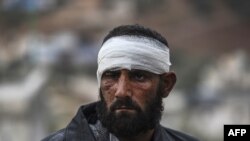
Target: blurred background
48,51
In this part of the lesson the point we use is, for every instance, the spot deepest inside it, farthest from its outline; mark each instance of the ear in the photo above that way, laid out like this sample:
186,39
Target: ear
168,82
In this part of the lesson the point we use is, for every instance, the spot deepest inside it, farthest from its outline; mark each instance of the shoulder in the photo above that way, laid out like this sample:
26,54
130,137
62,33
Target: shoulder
78,125
180,136
56,136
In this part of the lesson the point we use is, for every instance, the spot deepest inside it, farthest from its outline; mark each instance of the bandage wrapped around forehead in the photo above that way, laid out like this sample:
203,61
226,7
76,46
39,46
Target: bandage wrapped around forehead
132,52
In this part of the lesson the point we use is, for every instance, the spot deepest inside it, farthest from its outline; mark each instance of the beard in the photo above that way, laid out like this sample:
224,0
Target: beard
129,125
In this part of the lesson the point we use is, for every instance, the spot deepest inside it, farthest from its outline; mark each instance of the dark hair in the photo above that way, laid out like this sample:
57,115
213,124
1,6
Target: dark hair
135,30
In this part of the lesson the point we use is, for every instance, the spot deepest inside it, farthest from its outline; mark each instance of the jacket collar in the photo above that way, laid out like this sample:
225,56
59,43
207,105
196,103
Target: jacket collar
160,134
78,129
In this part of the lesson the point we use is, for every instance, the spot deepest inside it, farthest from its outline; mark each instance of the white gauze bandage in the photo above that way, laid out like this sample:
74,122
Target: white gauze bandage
132,52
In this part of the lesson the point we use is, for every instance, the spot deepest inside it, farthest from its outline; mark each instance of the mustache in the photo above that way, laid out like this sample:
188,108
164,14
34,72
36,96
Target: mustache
127,103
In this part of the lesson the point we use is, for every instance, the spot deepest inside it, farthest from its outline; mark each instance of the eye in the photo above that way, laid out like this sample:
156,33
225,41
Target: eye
110,75
138,76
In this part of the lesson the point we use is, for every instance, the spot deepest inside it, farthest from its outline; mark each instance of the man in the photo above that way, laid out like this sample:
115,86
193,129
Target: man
133,77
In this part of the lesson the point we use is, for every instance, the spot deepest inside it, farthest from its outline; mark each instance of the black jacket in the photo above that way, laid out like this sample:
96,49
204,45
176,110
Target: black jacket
78,129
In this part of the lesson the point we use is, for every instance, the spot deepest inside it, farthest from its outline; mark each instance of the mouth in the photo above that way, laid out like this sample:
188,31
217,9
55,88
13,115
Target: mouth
124,109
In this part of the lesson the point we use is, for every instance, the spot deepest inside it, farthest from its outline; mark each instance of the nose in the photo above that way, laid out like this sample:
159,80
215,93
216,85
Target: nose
123,88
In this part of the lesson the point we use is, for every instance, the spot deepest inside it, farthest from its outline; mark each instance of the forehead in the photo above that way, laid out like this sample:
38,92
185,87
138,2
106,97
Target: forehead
129,70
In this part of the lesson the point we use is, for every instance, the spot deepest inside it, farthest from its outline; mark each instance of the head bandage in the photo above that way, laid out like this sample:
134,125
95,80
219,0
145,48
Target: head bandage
132,52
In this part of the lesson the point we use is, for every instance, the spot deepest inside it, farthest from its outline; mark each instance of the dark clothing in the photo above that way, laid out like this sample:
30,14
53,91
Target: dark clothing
79,129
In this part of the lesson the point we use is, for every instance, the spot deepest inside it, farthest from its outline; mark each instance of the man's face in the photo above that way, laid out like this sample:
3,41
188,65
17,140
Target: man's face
131,101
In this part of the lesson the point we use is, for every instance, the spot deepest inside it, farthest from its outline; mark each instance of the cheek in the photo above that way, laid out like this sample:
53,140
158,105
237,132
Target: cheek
108,95
144,95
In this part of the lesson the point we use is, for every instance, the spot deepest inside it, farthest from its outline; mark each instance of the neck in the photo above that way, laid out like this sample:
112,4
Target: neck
147,136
